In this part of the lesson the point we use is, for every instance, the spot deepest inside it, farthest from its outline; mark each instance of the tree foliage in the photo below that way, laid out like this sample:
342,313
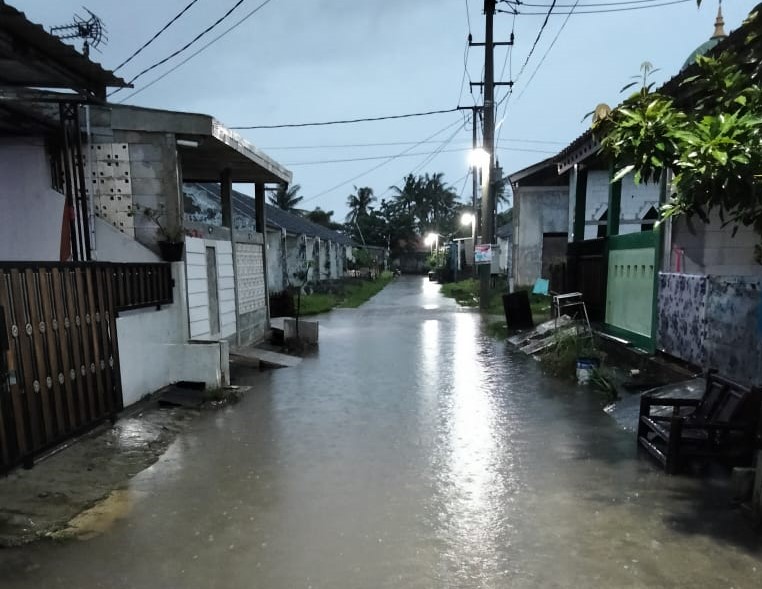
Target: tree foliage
422,204
359,203
707,135
324,218
286,197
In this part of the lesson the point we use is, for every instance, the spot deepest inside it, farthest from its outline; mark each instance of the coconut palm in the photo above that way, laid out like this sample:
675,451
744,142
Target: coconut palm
285,197
359,202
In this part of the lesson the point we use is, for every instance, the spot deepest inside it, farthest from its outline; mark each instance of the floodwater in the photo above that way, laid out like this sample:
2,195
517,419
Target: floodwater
413,451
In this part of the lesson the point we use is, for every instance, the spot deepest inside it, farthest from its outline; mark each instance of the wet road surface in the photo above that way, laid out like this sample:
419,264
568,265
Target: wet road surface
414,451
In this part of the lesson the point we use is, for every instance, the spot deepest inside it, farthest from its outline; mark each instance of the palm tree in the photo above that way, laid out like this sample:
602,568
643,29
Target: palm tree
285,197
359,202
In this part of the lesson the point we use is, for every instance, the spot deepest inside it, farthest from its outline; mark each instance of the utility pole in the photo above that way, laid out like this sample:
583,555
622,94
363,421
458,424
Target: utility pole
488,189
488,209
475,110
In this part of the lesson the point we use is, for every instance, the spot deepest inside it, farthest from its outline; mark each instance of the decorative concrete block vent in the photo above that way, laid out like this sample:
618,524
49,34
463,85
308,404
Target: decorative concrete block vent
308,330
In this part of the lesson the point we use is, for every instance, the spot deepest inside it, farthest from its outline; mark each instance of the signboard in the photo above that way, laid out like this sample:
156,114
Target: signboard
483,253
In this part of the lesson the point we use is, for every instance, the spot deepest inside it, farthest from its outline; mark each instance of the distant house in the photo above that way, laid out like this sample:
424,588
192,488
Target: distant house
294,243
504,236
540,221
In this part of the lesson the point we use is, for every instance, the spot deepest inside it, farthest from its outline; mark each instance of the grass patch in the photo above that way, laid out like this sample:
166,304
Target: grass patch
352,295
316,303
466,293
356,294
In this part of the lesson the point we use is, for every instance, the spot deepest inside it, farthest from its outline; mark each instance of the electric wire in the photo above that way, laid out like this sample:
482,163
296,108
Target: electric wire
536,40
390,143
547,51
195,53
586,4
508,94
438,151
383,163
610,10
348,121
186,46
158,33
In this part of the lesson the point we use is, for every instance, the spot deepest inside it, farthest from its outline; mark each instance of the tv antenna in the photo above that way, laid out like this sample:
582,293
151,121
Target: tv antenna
91,30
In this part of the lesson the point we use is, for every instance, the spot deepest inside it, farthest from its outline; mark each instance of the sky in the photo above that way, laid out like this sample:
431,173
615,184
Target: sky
297,61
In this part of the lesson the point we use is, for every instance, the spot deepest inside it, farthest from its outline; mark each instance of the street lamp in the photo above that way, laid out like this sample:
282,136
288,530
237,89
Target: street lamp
478,158
431,239
468,219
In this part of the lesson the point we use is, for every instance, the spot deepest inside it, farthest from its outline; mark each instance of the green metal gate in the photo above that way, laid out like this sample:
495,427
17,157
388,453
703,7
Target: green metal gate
631,284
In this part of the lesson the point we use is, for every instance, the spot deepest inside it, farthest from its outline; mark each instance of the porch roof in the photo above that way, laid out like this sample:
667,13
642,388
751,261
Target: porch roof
206,147
542,173
32,57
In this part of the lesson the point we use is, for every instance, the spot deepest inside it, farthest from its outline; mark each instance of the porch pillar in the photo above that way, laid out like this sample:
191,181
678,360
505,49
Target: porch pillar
615,204
226,196
260,226
580,202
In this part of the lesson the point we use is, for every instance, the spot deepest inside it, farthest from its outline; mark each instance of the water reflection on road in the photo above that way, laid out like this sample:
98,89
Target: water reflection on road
411,450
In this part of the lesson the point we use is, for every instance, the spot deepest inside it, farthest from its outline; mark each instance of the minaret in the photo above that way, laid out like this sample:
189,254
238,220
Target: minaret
719,25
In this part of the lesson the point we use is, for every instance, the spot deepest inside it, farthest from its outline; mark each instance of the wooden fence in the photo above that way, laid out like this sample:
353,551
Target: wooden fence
61,374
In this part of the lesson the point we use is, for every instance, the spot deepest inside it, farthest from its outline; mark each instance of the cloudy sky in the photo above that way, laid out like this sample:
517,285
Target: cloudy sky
316,60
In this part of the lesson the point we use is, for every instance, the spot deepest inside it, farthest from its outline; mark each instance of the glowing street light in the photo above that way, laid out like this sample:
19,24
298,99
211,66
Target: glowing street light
478,158
431,239
468,219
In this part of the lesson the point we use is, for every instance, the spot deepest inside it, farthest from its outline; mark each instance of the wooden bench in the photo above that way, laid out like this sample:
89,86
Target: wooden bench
722,424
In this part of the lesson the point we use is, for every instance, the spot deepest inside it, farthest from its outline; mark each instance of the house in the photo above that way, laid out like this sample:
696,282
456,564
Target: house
60,362
504,235
540,220
292,240
91,317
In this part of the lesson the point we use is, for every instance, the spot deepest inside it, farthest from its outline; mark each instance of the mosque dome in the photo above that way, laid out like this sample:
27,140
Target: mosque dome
706,46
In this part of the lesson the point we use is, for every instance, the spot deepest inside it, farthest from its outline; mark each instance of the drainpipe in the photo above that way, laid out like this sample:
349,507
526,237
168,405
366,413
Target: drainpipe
90,191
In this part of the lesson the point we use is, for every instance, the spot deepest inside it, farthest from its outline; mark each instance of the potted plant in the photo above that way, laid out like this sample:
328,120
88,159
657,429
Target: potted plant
171,246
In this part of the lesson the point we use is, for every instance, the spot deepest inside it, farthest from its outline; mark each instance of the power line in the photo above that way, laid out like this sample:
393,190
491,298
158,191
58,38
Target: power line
550,47
203,48
438,151
609,10
536,40
390,143
152,39
348,121
523,67
585,5
187,45
383,163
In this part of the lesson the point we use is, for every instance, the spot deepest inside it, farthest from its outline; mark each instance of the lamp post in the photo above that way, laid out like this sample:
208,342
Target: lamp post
432,240
470,219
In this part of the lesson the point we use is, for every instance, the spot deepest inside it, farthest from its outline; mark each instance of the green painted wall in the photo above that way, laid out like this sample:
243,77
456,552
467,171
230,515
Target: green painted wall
630,284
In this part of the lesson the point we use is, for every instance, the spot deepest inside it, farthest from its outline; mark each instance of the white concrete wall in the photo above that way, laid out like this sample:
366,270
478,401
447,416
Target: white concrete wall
711,249
154,351
31,212
635,203
114,246
537,210
505,255
273,241
198,288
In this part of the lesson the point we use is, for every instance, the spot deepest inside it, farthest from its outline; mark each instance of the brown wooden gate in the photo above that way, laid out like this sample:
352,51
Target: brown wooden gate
62,358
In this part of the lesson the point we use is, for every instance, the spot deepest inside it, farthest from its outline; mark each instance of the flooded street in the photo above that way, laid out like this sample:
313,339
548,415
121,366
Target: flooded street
411,450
